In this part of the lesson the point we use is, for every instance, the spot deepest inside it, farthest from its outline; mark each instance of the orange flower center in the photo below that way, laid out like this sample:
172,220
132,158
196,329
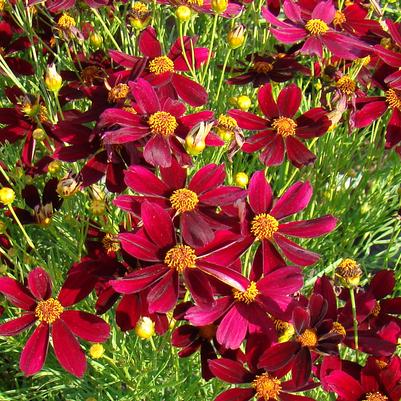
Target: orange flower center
316,27
376,310
110,243
263,226
308,338
375,397
393,99
284,126
349,271
162,123
180,257
118,92
198,3
161,64
184,200
248,295
339,18
346,85
267,387
262,67
48,311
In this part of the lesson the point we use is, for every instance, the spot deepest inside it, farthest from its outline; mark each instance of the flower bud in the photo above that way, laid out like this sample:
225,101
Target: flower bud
96,351
98,207
219,6
68,186
54,166
236,37
53,79
3,269
183,13
96,40
39,134
140,16
145,328
349,272
241,179
3,227
7,196
233,101
244,102
195,140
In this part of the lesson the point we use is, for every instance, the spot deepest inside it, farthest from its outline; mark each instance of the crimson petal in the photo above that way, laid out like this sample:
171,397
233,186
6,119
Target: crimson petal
18,325
309,228
230,371
39,283
260,193
16,293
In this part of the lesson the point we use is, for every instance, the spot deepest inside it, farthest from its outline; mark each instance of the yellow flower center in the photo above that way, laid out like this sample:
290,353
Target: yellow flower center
393,99
2,5
338,328
48,311
349,271
339,18
66,22
184,200
162,123
226,122
316,27
308,338
140,10
161,64
262,67
375,397
346,85
267,387
118,92
198,3
284,126
376,310
263,226
180,257
110,243
248,295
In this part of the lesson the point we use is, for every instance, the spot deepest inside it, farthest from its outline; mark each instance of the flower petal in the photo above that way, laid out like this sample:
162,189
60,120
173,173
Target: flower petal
163,296
230,371
143,181
16,293
260,193
309,228
18,325
39,283
232,329
289,100
148,43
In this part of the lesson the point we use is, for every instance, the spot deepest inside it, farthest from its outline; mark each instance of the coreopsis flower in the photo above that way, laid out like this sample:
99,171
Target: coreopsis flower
263,385
160,121
192,203
376,381
260,69
280,131
314,335
264,221
245,310
55,6
42,207
54,320
314,30
172,260
166,71
8,48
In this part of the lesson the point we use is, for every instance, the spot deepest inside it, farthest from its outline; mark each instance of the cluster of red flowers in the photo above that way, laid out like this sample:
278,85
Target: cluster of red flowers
219,259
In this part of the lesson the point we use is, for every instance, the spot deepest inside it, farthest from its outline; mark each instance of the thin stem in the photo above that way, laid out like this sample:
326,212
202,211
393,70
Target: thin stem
216,16
106,29
355,321
28,239
222,75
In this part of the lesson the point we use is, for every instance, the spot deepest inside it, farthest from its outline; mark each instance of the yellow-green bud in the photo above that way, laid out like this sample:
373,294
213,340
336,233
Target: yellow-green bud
236,37
96,351
145,328
53,79
219,6
3,227
54,166
241,179
7,196
39,134
183,13
244,102
96,40
98,207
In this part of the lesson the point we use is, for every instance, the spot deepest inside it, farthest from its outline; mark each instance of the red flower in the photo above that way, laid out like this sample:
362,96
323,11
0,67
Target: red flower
314,334
264,385
193,204
262,221
244,310
39,306
314,29
156,242
165,71
55,6
280,131
160,119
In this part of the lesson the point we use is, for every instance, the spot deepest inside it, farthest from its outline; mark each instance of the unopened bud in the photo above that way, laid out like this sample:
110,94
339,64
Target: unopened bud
145,328
7,196
98,207
54,166
241,179
195,140
96,351
39,134
219,6
244,102
53,79
183,13
236,37
96,40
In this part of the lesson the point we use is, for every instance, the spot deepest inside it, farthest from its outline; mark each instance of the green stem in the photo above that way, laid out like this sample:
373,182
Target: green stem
110,35
222,75
355,321
28,239
216,16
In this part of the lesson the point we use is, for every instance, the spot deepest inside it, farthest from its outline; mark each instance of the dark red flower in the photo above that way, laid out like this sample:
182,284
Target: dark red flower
39,306
314,30
193,204
279,130
262,221
55,6
165,71
172,260
160,122
314,334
